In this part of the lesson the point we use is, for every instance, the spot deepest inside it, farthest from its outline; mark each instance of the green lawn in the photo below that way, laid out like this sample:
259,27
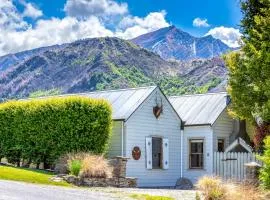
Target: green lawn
149,197
28,175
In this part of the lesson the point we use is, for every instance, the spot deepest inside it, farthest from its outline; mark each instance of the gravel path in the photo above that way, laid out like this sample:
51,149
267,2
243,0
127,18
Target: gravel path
11,190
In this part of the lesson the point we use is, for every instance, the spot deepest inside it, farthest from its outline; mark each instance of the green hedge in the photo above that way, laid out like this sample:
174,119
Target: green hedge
265,170
40,130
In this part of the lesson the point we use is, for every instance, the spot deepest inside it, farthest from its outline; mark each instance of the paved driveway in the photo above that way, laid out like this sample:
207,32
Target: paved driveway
11,190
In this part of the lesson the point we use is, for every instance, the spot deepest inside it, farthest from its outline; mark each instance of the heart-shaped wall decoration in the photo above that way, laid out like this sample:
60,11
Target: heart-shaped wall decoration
157,110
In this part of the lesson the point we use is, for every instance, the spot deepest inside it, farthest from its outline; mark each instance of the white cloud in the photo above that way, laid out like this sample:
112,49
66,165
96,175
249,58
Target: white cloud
131,27
100,8
53,31
31,11
228,35
18,35
10,19
198,22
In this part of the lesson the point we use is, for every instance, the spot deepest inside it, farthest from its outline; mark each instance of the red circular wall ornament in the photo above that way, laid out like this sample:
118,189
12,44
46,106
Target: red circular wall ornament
136,153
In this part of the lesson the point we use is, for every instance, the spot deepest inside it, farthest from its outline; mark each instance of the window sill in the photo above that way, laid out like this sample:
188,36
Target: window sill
196,169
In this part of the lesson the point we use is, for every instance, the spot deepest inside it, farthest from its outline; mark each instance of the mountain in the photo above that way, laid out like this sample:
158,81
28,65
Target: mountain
13,59
173,43
105,63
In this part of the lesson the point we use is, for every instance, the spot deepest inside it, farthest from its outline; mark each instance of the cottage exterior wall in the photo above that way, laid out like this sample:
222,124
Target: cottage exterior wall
198,132
223,128
143,124
115,143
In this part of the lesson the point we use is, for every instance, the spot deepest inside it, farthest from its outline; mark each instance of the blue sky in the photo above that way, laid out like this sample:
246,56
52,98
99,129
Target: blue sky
27,24
182,12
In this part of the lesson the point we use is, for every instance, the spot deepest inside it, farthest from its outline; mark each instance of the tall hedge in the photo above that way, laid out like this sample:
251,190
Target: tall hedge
40,130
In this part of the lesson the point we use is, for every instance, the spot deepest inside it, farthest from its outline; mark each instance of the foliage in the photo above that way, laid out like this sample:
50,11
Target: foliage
43,93
265,170
133,77
249,69
75,167
41,130
212,188
29,176
149,197
197,197
90,165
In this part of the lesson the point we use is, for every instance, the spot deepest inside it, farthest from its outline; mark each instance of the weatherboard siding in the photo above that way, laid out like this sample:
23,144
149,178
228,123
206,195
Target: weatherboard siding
198,132
223,128
115,143
143,124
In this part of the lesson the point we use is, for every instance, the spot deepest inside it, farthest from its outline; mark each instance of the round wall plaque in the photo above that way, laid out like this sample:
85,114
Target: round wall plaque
136,153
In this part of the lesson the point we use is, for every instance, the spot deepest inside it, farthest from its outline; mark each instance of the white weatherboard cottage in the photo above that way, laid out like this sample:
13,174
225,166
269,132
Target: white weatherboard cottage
157,138
208,129
148,129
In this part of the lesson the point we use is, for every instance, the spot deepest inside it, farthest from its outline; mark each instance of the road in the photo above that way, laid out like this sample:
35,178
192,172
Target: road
11,190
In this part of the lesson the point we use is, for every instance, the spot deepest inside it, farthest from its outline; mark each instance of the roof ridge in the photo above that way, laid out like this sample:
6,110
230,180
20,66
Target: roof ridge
85,93
205,94
114,90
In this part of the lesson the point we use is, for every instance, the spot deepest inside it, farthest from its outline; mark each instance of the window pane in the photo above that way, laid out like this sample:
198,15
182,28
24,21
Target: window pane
196,160
196,147
157,152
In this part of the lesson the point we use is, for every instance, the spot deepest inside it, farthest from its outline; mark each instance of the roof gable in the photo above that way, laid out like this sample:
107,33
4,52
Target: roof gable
200,109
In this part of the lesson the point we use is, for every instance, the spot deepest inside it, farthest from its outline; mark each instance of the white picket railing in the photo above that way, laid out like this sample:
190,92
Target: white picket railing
231,165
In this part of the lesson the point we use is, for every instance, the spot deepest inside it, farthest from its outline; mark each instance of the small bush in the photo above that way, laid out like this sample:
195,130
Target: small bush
75,167
242,192
95,167
91,166
265,170
212,188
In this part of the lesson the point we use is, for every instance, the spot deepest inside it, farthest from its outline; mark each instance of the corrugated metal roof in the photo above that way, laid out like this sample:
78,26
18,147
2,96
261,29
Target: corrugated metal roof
124,101
201,108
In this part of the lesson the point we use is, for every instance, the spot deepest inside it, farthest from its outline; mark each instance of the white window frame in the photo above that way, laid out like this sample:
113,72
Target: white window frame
196,140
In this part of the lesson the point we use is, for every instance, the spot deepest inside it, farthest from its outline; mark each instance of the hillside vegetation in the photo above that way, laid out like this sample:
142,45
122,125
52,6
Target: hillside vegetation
106,63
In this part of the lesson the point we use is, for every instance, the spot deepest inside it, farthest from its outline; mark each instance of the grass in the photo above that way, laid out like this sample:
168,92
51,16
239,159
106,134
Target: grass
28,175
149,197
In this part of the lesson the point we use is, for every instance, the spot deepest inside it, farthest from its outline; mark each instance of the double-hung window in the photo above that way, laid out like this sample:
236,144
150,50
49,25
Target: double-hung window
196,154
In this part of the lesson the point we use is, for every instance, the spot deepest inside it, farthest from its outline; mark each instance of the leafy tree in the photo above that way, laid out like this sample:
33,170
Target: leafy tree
249,69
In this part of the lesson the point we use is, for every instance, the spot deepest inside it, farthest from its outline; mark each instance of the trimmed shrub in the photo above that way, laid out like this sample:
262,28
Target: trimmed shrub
265,170
41,130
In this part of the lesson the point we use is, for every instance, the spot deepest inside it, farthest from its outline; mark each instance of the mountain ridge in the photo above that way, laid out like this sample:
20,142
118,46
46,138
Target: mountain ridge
106,63
173,43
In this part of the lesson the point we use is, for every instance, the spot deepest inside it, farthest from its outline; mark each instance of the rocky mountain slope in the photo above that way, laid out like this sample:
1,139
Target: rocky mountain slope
173,43
104,63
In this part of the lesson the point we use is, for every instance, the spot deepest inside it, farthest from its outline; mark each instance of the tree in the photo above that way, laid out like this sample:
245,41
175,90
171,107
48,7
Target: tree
249,68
